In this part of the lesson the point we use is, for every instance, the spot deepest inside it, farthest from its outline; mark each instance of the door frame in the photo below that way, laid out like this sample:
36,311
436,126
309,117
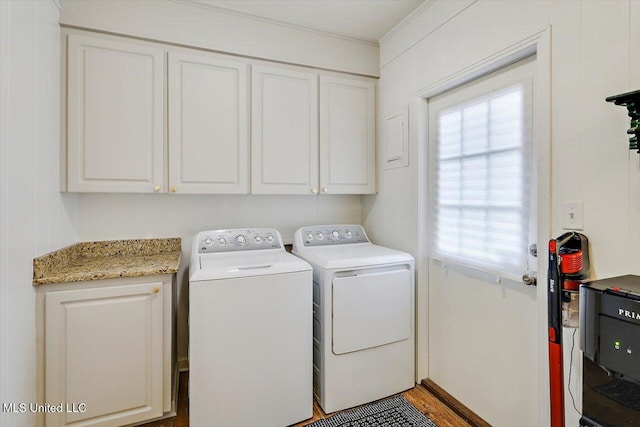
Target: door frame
538,44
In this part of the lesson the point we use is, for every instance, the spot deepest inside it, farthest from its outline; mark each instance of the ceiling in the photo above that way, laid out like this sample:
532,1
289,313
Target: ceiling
366,20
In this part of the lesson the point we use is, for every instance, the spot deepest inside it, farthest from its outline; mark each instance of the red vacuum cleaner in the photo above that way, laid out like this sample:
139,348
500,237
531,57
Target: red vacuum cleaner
568,266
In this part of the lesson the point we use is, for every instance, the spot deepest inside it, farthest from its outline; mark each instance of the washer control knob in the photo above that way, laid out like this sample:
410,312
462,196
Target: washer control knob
258,239
309,236
269,238
208,241
335,234
348,234
222,241
320,236
241,240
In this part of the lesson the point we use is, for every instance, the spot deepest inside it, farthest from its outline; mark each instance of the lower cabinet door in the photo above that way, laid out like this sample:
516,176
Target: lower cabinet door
104,355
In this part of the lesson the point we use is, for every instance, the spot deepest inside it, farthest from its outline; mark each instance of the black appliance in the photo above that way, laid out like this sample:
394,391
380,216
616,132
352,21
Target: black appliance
610,342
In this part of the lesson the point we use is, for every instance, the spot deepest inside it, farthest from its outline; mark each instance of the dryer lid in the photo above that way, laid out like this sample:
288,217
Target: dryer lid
351,256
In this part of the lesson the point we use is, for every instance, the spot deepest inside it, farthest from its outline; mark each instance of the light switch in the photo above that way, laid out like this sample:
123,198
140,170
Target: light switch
572,216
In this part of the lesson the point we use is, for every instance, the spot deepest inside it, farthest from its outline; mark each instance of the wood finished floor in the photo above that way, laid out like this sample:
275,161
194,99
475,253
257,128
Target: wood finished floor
418,396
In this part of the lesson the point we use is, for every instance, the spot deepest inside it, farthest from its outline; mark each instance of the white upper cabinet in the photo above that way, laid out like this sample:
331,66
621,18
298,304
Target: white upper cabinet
291,154
208,124
115,116
284,131
304,132
347,135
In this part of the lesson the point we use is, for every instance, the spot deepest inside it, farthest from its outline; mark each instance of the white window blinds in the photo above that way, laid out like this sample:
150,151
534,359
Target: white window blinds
481,193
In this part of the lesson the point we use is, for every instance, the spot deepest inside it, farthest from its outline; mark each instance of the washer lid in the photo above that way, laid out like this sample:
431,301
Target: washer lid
354,255
246,264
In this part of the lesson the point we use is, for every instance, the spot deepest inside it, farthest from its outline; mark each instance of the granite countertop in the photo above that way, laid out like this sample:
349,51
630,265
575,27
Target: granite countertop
107,260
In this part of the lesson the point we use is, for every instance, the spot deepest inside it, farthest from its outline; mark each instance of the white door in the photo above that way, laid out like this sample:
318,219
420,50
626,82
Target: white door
208,124
104,348
284,131
483,321
115,116
347,135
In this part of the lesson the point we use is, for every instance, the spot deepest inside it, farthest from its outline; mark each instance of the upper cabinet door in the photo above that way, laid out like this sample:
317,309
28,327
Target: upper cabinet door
284,131
347,135
208,125
115,116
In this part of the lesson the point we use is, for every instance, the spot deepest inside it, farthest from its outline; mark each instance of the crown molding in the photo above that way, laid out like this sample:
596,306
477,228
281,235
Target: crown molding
308,28
224,52
409,18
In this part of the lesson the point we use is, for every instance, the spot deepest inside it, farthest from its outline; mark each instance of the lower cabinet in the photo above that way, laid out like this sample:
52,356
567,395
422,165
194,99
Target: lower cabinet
107,351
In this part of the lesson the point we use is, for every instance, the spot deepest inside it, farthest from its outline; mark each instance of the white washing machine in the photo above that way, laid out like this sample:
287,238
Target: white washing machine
250,331
363,330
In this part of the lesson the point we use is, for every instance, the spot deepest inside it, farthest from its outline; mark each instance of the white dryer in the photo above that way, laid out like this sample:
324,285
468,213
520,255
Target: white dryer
250,331
363,330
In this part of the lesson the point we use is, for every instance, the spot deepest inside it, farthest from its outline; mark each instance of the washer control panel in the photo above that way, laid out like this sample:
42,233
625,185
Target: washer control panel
238,239
329,235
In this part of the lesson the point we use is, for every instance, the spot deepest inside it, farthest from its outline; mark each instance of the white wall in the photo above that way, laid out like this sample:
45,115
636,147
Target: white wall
197,25
34,217
127,216
594,54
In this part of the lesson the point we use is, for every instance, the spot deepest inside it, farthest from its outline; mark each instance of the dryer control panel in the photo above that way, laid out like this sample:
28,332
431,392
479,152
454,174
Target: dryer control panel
329,235
238,239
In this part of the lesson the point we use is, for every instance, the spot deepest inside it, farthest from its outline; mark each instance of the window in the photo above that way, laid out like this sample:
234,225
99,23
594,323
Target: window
481,173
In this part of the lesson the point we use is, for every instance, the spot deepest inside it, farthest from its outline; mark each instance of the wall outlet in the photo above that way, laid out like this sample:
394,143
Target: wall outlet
572,216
